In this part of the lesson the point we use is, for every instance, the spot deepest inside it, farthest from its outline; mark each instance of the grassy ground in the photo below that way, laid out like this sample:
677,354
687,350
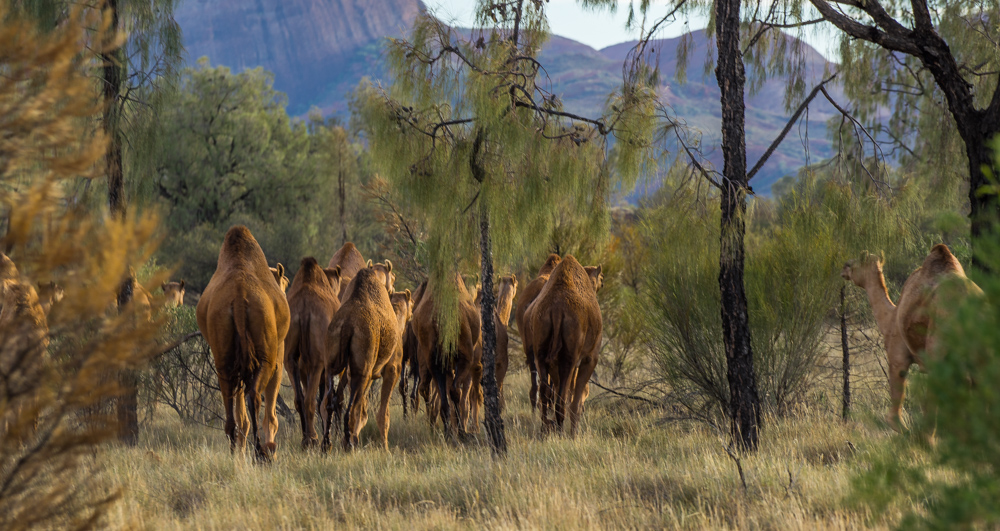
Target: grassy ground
628,468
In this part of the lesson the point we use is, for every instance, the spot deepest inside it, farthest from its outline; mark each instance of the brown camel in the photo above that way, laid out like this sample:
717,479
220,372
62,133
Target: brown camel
363,339
452,371
24,340
505,299
410,355
527,296
244,316
49,293
908,329
350,261
174,293
279,277
312,302
565,324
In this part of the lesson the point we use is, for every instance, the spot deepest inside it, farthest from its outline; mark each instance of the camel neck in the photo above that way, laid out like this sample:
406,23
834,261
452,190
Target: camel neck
882,305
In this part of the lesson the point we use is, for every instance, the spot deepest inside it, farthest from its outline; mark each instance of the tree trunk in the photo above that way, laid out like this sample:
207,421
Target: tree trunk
744,403
847,354
491,394
127,405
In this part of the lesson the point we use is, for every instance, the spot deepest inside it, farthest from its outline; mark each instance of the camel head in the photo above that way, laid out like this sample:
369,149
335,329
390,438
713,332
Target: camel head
864,270
596,276
384,272
49,293
174,292
279,277
333,275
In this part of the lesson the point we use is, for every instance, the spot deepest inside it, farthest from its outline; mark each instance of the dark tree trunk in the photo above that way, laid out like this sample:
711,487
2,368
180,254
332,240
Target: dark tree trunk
744,404
127,406
847,354
491,394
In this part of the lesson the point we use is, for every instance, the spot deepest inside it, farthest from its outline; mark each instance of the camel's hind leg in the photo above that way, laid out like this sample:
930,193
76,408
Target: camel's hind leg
269,421
389,376
580,389
357,409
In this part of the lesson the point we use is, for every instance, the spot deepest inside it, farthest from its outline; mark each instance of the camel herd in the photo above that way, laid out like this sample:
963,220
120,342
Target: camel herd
347,320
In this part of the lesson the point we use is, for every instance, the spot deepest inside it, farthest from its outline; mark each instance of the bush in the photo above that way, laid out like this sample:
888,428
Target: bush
791,282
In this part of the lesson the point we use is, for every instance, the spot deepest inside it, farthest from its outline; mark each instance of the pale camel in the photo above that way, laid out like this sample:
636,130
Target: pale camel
244,316
364,341
312,301
350,261
566,326
523,325
908,329
452,371
174,293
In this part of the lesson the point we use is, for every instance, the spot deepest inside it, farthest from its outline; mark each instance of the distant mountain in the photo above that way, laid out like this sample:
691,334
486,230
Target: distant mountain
320,49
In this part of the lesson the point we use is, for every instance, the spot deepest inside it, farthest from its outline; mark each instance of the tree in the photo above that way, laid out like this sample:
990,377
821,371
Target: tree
53,364
468,124
237,157
964,72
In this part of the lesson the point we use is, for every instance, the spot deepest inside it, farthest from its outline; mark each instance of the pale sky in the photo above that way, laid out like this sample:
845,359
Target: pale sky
601,29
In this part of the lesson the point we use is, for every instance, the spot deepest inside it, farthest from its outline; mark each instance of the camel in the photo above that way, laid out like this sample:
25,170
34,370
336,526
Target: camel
452,371
363,339
501,316
49,293
24,340
565,334
410,355
527,296
908,329
279,277
174,293
312,301
244,316
350,261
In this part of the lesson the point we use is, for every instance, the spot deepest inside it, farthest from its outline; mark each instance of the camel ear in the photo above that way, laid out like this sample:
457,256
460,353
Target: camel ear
369,264
281,270
388,266
182,284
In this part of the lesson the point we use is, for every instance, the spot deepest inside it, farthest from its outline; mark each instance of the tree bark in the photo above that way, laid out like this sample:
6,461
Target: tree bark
491,393
847,354
127,405
744,404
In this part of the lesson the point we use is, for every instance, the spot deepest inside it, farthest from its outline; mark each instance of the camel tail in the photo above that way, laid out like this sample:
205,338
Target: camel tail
554,340
244,362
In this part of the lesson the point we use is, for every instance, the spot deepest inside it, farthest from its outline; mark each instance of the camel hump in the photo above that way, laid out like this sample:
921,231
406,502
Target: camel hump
940,261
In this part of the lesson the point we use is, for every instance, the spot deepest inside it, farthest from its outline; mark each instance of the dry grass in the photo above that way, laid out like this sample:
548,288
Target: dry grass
627,469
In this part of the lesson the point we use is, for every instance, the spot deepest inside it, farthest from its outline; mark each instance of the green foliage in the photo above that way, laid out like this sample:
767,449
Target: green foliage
237,158
791,283
468,123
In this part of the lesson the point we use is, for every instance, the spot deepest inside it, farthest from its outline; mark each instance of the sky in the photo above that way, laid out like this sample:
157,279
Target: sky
599,29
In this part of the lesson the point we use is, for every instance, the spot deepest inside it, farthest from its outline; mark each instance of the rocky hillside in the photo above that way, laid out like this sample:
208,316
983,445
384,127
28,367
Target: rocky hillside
320,49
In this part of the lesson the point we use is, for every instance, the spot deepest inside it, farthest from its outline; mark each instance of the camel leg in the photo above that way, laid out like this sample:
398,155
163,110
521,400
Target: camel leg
476,397
530,360
562,388
313,381
580,389
389,376
269,424
228,400
897,390
357,410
